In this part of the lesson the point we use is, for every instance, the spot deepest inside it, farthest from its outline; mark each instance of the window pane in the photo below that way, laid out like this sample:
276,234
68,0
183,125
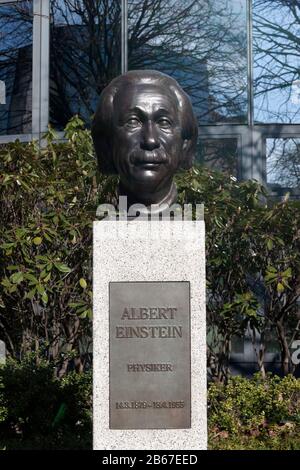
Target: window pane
219,154
85,55
202,44
237,345
16,26
272,344
283,163
276,33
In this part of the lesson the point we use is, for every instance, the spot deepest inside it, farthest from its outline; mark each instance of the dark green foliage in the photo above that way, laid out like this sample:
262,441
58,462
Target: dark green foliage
49,198
255,413
40,411
48,202
30,409
76,395
253,265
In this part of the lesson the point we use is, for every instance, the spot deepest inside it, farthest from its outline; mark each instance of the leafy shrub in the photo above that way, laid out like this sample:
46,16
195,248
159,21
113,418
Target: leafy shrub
48,200
3,405
253,265
41,410
76,395
30,394
48,203
265,411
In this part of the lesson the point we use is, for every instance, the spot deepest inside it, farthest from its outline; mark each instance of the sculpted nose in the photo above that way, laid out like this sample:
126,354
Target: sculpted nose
149,139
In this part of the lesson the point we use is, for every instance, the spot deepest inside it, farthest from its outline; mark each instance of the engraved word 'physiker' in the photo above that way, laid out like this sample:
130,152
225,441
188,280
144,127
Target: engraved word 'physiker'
145,130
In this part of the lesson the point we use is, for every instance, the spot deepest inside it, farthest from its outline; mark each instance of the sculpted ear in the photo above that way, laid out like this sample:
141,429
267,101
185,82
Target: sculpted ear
188,153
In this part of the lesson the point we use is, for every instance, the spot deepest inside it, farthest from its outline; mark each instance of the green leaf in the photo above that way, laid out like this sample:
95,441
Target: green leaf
77,304
40,289
20,232
30,277
90,313
16,278
48,238
280,287
270,244
42,258
86,313
5,282
270,276
83,283
81,309
49,266
12,268
63,268
287,272
83,314
29,295
47,278
6,246
45,297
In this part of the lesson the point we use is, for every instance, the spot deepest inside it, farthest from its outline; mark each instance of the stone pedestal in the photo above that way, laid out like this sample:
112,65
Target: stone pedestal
149,335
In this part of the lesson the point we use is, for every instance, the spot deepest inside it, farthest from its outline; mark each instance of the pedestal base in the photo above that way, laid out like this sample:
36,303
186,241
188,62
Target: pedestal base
149,335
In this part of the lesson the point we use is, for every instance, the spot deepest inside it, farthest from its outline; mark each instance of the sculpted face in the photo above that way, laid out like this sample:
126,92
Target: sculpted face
144,130
147,140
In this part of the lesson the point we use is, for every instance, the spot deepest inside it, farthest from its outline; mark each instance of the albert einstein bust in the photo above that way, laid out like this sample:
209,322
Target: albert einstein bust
145,130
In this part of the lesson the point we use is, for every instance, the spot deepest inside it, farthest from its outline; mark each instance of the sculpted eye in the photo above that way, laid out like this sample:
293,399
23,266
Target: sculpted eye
164,123
132,123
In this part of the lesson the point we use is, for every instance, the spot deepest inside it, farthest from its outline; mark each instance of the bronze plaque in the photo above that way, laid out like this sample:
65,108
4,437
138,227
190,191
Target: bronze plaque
150,372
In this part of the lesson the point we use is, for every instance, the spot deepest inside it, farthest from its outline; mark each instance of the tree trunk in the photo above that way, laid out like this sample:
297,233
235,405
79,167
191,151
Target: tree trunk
260,353
285,352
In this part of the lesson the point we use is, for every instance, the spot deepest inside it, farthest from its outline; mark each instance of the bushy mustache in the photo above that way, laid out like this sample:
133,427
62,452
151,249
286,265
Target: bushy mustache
147,156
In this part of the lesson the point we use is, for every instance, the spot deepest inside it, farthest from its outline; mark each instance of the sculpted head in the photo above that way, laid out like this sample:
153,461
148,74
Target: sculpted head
145,130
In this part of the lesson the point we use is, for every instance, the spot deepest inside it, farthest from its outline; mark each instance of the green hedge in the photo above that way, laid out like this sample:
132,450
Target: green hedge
255,413
39,411
49,198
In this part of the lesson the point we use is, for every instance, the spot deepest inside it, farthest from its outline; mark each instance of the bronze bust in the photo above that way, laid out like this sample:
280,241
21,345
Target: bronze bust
144,130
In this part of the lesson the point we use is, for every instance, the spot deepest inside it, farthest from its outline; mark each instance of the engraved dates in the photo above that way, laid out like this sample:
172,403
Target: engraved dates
122,405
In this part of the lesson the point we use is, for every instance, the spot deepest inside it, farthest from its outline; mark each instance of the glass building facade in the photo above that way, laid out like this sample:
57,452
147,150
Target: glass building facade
239,61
